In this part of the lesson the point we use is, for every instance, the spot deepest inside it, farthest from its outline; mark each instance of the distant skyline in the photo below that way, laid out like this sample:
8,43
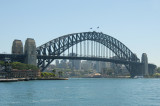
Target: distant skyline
136,23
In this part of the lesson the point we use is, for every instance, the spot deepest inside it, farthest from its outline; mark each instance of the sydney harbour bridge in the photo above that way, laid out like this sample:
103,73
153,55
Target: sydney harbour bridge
94,46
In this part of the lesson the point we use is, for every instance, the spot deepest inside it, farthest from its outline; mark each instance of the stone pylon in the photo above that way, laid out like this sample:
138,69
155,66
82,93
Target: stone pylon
17,47
144,64
30,52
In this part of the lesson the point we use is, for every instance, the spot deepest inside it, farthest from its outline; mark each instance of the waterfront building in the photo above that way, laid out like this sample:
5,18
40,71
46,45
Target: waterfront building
74,64
100,66
86,65
57,63
31,74
17,47
63,63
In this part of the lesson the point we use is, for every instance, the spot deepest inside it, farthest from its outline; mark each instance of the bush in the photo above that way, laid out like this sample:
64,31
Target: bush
47,74
2,63
156,75
158,70
22,66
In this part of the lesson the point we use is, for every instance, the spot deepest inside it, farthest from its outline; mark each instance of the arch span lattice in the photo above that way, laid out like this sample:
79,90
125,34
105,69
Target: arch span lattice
56,47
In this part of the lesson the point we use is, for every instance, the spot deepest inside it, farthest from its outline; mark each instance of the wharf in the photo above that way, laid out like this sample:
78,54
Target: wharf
14,79
8,80
27,79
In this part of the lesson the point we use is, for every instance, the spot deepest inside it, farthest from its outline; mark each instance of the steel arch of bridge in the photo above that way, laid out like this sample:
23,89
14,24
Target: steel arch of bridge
57,46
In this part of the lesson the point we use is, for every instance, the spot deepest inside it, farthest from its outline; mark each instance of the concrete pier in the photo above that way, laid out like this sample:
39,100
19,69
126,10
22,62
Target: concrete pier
144,62
17,47
30,52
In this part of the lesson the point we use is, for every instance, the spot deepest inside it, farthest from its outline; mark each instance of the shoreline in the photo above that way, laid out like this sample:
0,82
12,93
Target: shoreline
51,79
27,79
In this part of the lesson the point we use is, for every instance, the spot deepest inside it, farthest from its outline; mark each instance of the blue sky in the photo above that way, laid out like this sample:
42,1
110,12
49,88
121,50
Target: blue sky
136,23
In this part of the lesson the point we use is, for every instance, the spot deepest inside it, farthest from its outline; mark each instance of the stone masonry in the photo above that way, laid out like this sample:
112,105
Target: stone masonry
145,64
17,47
30,52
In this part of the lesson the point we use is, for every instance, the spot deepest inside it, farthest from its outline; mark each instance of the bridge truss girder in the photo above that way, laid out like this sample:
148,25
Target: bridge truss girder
57,46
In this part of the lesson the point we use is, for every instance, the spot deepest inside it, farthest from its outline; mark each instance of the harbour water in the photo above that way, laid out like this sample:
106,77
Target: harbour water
81,92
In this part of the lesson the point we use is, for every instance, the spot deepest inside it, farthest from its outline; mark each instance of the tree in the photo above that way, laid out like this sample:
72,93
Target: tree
2,63
157,75
106,71
158,69
60,73
110,71
19,66
54,71
22,66
47,74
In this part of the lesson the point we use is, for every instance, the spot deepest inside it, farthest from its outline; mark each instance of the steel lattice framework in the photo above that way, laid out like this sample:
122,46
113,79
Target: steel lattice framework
54,48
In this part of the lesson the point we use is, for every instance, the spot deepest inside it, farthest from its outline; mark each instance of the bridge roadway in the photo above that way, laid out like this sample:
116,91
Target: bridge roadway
120,61
12,57
117,61
20,57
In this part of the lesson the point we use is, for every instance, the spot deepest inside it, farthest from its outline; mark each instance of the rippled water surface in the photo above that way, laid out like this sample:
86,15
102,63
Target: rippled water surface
81,92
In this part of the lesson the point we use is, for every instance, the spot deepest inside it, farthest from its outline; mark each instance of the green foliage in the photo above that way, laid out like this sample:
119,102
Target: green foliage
110,71
2,63
60,73
18,65
156,75
47,74
22,66
158,70
32,67
54,71
107,71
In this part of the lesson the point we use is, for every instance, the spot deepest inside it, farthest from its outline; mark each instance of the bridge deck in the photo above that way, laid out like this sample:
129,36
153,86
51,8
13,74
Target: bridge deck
88,58
12,57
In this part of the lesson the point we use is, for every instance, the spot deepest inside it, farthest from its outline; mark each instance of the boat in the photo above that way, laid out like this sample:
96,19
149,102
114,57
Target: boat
138,77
